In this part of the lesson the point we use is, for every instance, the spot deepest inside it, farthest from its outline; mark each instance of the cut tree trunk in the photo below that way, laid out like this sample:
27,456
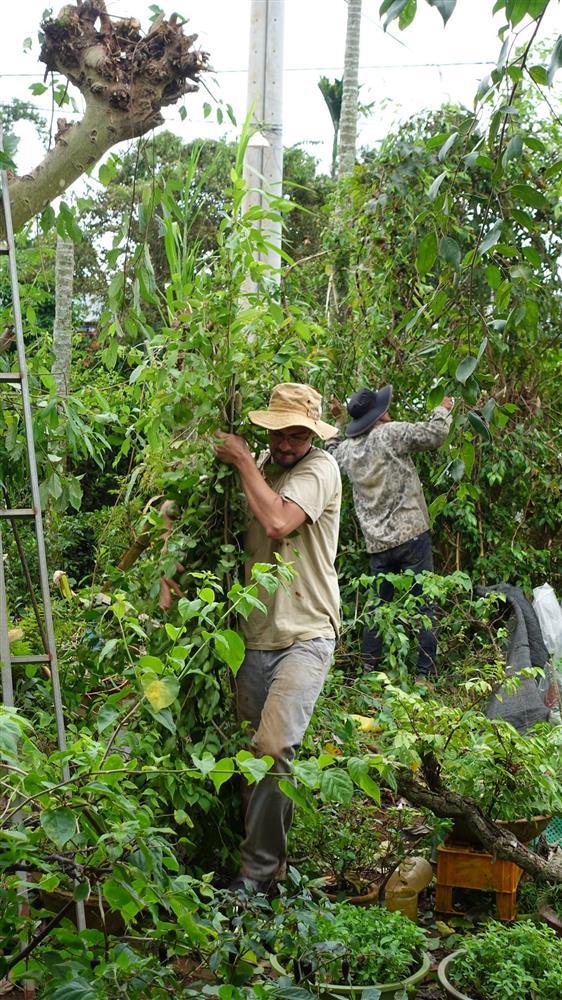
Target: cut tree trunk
126,78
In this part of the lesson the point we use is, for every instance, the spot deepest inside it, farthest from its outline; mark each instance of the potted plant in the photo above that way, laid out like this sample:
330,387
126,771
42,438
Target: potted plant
350,948
356,848
503,962
544,900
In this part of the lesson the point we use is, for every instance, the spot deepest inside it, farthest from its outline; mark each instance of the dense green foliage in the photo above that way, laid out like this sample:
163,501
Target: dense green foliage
363,946
435,266
502,962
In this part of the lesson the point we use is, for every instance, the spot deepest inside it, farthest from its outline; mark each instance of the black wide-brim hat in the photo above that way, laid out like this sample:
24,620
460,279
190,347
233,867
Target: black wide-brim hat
365,407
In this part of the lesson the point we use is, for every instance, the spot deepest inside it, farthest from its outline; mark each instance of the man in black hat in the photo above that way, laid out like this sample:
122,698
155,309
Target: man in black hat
389,500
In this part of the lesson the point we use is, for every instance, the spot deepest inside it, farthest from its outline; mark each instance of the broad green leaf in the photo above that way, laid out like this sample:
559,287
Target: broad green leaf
533,256
536,7
447,145
484,88
465,368
407,15
456,470
295,794
59,824
49,882
82,891
151,663
253,768
450,251
435,396
229,647
435,185
160,691
445,8
437,505
528,196
437,306
359,771
427,253
493,276
336,786
553,170
514,148
204,764
188,609
555,61
491,238
540,76
515,10
207,595
488,410
471,391
479,426
468,454
392,9
523,218
106,717
223,770
75,989
307,772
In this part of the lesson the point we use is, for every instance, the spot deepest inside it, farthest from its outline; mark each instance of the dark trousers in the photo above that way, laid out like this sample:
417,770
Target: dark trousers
416,555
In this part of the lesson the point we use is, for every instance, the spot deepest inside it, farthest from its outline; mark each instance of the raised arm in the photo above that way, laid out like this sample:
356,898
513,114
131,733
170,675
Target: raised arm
277,516
424,435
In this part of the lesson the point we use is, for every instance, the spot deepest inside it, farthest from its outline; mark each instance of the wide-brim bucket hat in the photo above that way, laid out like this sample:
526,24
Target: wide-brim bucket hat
365,407
294,405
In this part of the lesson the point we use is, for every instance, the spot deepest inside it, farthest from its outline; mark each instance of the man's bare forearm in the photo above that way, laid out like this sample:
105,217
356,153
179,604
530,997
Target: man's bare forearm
278,517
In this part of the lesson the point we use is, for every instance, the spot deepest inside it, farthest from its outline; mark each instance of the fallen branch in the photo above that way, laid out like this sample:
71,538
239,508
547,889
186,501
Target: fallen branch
495,840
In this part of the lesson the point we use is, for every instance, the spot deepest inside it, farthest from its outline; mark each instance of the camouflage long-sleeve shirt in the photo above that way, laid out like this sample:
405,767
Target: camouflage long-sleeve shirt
387,492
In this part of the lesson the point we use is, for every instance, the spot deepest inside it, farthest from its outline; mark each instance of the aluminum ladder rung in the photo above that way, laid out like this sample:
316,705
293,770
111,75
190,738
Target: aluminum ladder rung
32,658
17,512
11,376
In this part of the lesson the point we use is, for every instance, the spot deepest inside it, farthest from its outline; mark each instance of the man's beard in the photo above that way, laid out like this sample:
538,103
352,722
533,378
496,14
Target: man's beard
285,459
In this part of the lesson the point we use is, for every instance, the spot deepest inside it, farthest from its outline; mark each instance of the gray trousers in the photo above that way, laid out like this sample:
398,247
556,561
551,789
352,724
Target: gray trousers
277,690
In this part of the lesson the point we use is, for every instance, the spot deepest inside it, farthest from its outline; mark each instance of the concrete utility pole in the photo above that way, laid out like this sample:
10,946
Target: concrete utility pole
263,166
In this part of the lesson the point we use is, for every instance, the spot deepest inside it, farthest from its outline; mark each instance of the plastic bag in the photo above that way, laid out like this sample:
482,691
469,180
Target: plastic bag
549,614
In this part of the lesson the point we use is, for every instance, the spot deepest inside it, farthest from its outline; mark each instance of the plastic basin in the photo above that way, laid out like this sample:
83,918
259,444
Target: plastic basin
387,990
442,975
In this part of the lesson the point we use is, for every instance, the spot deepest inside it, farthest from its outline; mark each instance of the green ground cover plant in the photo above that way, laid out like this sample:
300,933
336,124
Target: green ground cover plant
362,946
502,962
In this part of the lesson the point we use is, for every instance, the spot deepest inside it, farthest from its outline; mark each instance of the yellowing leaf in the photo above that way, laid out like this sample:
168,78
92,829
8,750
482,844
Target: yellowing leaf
365,723
160,691
443,928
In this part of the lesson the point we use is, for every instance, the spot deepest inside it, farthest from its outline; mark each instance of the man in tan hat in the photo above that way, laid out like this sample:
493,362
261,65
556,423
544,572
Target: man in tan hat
294,499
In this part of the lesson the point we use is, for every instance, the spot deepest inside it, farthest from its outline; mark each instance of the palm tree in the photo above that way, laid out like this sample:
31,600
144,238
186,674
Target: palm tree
350,96
332,93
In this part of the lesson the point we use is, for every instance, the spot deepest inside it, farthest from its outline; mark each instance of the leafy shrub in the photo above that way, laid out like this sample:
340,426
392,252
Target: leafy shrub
363,946
501,963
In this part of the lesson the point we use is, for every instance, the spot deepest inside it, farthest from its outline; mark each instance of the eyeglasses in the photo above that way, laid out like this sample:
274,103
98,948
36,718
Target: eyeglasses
278,437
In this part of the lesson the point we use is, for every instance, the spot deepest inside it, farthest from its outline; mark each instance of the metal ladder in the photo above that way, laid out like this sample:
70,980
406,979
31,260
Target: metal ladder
48,658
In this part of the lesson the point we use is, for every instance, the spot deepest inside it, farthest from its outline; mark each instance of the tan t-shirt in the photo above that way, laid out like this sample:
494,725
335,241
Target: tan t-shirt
307,608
